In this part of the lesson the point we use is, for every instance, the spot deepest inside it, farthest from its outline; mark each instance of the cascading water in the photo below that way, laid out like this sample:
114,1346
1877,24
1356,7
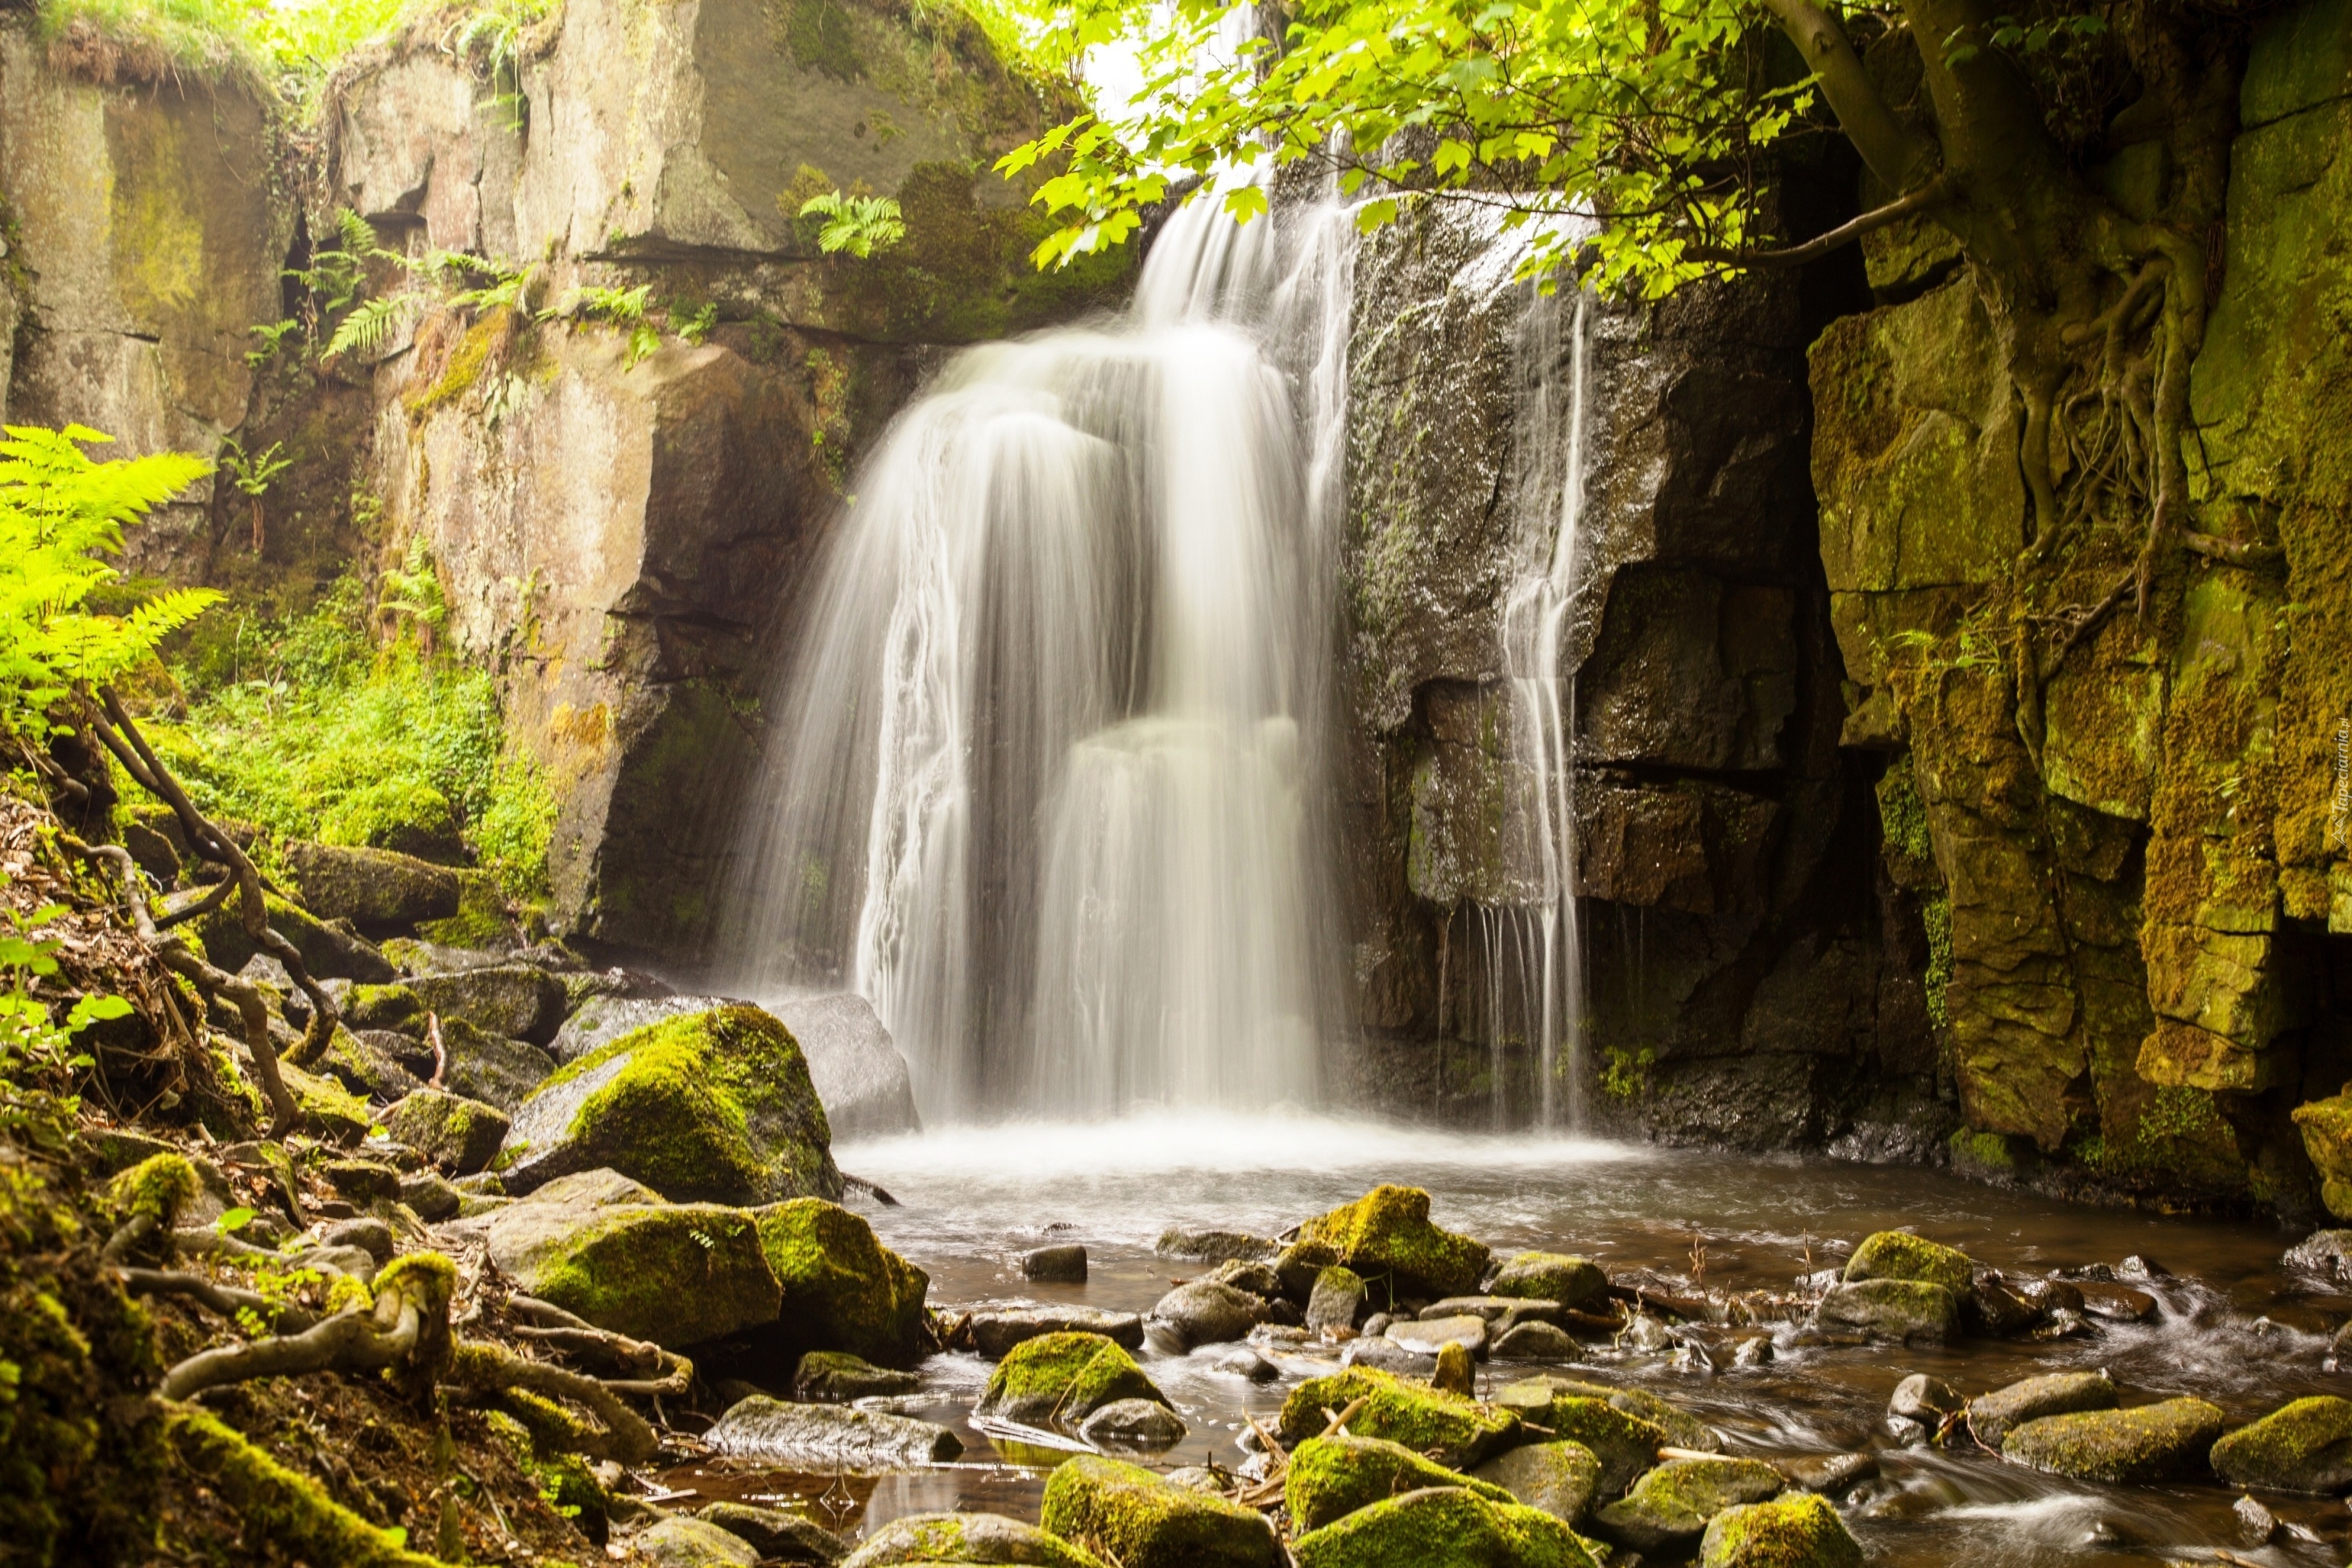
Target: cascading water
1046,780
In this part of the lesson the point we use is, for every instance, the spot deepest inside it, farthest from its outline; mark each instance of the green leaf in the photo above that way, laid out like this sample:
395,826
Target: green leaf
233,1221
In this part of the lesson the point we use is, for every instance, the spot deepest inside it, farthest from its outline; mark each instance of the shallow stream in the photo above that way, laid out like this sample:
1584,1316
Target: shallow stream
2235,1325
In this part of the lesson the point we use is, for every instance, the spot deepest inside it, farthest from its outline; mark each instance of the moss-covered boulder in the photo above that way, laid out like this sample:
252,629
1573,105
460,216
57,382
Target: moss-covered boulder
1798,1529
1991,1417
459,1135
1670,1506
1562,1478
2305,1446
1899,1255
520,1001
1550,1276
376,890
676,1274
1130,1516
394,1006
370,1063
1209,1311
838,1377
1388,1232
2326,1129
327,952
1065,1377
715,1106
1898,1312
1448,1429
327,1110
778,1537
492,1068
2148,1443
843,1289
1444,1527
1624,1441
966,1538
682,1543
1330,1478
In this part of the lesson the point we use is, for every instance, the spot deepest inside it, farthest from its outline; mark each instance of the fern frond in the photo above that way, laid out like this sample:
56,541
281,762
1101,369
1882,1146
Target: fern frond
370,324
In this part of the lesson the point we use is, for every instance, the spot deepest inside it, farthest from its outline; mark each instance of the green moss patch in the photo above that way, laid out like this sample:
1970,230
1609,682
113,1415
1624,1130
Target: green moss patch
2150,1443
1550,1276
1450,1429
1444,1527
1799,1530
2305,1446
1899,1255
1128,1515
843,1290
1388,1232
1672,1503
675,1274
1330,1478
1063,1377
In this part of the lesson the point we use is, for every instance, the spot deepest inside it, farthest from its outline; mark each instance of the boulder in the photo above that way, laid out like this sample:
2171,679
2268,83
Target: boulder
682,1543
370,1062
1065,1265
1828,1474
1130,1516
379,891
1994,1308
520,1001
1562,1478
1141,1424
1920,1406
599,1020
843,1290
1682,1430
1899,1312
858,1072
1550,1277
838,1377
1337,1300
1330,1478
1427,1336
1388,1232
1064,1377
828,1436
2148,1443
394,1007
1452,1430
1213,1245
1992,1417
1257,1279
492,1068
1624,1442
459,1135
676,1274
1536,1341
1383,1353
777,1536
601,1189
1444,1527
1899,1255
1797,1530
2305,1446
2115,1303
966,1538
328,951
329,1110
1207,1313
429,1197
994,1332
714,1105
361,1181
1670,1506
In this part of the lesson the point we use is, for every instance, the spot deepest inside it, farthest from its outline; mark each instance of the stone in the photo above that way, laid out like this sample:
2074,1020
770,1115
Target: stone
683,1543
328,951
430,1197
1925,1399
994,1332
1385,1355
1551,1277
491,1068
2116,1303
856,1066
1899,1255
1243,1362
1992,1417
715,1106
843,1290
1142,1425
1444,1527
2148,1443
1828,1474
460,1136
1388,1232
1337,1300
601,1188
1063,1376
1213,1245
370,1235
1798,1530
989,1538
1452,1430
373,1062
1427,1337
1130,1516
777,1536
599,1020
838,1377
1257,1279
1330,1478
520,1001
2305,1446
1064,1265
1900,1311
621,1266
2322,1251
1671,1505
379,891
1562,1478
361,1181
1207,1312
1992,1308
1625,1442
1455,1373
394,1008
1536,1341
828,1436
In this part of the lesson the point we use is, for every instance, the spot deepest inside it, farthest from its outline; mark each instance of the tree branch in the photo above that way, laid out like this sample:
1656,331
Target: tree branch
1894,155
352,1341
1903,206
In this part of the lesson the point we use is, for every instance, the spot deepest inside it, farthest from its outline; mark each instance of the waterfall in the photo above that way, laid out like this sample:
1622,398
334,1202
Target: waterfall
1046,779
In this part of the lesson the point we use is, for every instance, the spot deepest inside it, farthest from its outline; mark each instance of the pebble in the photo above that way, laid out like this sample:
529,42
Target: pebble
2257,1525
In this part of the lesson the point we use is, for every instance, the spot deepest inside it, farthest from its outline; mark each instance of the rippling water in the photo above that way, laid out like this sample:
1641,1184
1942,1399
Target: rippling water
2236,1326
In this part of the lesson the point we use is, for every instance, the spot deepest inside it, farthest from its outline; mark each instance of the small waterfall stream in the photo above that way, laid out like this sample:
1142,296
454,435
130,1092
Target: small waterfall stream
1045,782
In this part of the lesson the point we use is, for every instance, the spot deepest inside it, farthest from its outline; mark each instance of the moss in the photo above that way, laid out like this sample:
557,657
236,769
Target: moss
329,1110
1899,1255
981,1537
676,1273
2299,1447
480,346
544,1441
1128,1515
458,1135
2150,1443
1678,1497
157,1188
1936,917
1444,1527
817,36
1550,1276
484,919
390,1007
1065,1377
1332,1477
1451,1429
1981,1155
1798,1531
280,1506
1388,1231
843,1289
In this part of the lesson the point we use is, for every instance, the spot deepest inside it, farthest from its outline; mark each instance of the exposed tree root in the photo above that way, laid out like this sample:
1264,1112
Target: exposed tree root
487,1370
352,1341
285,1507
228,1300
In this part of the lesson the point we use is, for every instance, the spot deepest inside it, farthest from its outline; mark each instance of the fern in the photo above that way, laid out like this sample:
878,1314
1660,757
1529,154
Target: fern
372,324
858,224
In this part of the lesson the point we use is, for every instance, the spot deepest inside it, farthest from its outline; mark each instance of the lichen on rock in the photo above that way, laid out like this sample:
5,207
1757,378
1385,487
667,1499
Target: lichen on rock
1388,1232
1132,1516
1450,1429
1063,1376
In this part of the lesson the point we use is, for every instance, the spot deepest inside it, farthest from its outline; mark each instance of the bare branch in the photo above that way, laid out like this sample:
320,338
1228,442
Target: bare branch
1894,155
1903,206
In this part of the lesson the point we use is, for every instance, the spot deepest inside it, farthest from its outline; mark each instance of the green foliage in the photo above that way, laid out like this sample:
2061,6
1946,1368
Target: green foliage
491,34
858,224
60,512
254,472
624,308
273,337
37,1053
1625,1074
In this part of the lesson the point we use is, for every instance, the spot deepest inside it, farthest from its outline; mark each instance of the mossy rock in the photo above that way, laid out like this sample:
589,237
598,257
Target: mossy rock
492,1068
459,1135
2148,1443
1899,1312
516,1000
838,1377
714,1106
373,889
1133,1517
1388,1232
1671,1504
327,1109
677,1274
371,1063
1991,1417
680,1542
1065,1377
1450,1429
1798,1529
843,1290
1550,1276
1609,1422
1444,1527
2301,1447
1532,1398
1899,1255
779,1536
394,1006
1562,1478
1330,1478
329,954
966,1538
